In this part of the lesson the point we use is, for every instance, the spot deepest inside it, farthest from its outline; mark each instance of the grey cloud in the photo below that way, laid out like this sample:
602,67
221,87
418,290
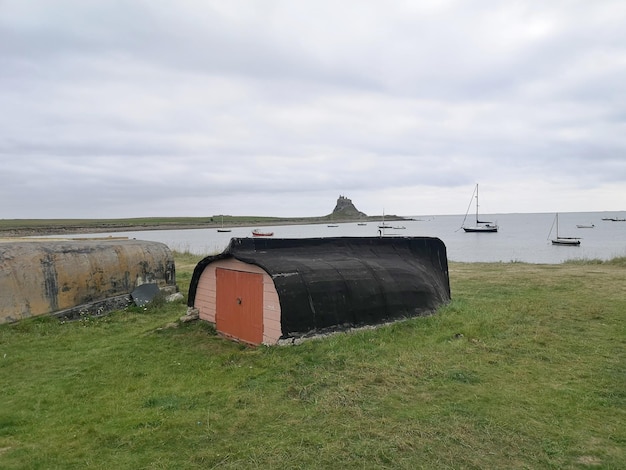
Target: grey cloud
215,104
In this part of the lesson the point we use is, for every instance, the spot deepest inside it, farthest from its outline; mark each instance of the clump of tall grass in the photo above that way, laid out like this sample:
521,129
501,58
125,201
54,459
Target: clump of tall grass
186,256
617,261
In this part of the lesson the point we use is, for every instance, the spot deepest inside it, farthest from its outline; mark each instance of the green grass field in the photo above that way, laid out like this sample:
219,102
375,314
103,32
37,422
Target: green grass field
32,227
46,226
27,227
525,368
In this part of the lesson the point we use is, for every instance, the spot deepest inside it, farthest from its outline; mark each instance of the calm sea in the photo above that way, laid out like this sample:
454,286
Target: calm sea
521,237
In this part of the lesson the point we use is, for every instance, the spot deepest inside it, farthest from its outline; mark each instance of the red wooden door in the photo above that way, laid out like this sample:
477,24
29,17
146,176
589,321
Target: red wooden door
239,305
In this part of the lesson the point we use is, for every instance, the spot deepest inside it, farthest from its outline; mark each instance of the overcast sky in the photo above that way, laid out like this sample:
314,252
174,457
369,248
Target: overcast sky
131,108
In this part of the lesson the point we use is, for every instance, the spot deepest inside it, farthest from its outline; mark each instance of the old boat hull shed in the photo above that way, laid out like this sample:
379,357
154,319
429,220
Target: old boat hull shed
261,291
69,278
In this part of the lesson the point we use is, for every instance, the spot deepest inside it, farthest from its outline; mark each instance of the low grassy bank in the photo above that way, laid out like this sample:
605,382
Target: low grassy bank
526,368
34,227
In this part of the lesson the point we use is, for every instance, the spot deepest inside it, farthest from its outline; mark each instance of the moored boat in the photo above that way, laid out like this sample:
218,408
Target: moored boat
481,226
384,225
567,241
222,229
563,241
258,233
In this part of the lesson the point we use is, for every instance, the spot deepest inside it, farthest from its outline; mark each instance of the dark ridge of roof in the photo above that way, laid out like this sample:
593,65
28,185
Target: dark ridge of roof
326,282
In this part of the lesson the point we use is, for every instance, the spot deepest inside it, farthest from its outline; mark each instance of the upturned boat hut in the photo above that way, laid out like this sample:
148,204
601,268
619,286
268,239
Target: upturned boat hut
261,291
70,278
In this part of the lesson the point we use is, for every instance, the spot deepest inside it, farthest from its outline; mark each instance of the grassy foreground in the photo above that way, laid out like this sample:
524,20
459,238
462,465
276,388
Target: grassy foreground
526,368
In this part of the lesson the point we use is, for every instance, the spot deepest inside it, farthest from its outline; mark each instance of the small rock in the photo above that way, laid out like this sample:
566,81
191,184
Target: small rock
191,315
174,297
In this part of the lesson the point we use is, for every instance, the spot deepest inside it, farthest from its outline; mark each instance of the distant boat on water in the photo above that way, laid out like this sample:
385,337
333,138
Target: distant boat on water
614,219
585,226
258,233
481,226
222,229
383,224
563,241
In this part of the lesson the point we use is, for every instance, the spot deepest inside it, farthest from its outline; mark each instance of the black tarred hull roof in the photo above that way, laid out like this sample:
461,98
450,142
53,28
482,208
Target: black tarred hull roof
329,282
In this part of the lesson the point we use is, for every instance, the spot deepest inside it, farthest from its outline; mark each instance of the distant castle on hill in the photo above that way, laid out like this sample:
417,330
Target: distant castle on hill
345,209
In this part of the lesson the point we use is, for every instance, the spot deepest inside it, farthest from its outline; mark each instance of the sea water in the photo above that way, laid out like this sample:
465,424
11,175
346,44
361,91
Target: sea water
520,238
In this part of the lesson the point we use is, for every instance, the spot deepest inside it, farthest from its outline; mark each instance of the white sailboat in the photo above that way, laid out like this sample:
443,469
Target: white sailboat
384,225
222,229
564,241
481,226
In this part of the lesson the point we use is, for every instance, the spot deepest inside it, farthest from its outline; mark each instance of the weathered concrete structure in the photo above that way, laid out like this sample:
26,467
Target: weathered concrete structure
65,277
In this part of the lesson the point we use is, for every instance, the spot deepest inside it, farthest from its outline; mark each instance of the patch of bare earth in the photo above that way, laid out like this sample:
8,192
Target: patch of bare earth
589,461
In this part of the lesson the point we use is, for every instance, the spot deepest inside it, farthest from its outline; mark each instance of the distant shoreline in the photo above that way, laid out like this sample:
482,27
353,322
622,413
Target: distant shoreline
19,228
